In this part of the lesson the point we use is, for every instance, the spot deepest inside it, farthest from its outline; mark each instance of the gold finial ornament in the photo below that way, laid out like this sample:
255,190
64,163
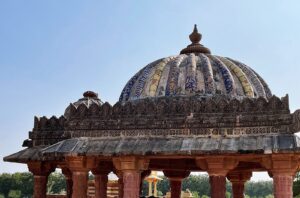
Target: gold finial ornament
195,47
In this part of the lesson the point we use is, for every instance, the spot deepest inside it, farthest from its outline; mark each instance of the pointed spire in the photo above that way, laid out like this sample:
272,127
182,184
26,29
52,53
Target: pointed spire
195,47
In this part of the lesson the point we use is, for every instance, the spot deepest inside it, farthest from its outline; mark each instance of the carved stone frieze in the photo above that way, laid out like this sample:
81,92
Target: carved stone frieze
167,116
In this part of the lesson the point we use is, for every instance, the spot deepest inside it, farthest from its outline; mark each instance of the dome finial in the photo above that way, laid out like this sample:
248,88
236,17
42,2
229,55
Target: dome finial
195,47
195,36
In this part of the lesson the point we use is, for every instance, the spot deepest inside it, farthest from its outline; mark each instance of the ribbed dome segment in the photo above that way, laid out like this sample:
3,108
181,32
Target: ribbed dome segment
195,74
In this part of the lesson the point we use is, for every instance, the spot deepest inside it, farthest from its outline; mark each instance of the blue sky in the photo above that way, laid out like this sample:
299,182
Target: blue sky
52,51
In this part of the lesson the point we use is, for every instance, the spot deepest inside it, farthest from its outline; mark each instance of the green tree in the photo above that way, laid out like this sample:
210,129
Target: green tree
197,183
259,189
195,195
56,183
228,195
6,184
163,185
296,185
24,183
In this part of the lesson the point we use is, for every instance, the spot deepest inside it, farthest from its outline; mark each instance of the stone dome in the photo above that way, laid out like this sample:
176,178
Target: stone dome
195,72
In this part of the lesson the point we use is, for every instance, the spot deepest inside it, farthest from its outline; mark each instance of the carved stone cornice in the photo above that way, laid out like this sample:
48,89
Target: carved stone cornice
168,116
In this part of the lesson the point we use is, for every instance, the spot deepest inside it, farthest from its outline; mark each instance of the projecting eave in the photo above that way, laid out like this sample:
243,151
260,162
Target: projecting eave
166,146
25,155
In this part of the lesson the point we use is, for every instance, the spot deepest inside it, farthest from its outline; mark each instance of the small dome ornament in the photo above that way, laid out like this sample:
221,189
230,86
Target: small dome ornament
90,94
195,47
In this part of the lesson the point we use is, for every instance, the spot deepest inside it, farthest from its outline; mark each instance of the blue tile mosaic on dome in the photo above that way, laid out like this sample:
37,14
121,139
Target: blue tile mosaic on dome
172,82
194,74
207,73
228,80
142,80
258,87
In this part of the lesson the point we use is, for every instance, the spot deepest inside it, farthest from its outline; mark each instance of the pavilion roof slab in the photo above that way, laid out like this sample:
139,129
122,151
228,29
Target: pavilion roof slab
25,155
185,146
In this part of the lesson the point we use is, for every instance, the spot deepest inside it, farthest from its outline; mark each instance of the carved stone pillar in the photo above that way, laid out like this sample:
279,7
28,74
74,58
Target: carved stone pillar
101,172
238,179
175,178
131,168
217,186
101,179
282,167
283,185
121,186
69,182
78,167
131,181
80,183
40,173
120,182
217,168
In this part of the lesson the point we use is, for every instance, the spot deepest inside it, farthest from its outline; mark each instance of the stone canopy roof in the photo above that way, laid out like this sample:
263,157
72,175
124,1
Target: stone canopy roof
222,106
165,126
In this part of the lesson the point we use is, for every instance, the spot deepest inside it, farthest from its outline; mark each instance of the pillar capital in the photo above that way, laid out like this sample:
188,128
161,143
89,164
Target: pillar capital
131,168
130,163
217,165
78,163
176,175
103,168
239,176
238,179
40,168
281,164
282,167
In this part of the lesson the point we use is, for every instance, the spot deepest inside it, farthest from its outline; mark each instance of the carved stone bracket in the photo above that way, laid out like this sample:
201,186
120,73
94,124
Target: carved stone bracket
218,166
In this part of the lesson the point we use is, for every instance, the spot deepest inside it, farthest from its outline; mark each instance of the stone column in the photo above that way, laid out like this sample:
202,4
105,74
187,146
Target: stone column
78,167
238,179
131,168
131,181
283,185
40,173
101,179
175,178
217,168
80,183
217,186
175,186
282,167
69,182
121,186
